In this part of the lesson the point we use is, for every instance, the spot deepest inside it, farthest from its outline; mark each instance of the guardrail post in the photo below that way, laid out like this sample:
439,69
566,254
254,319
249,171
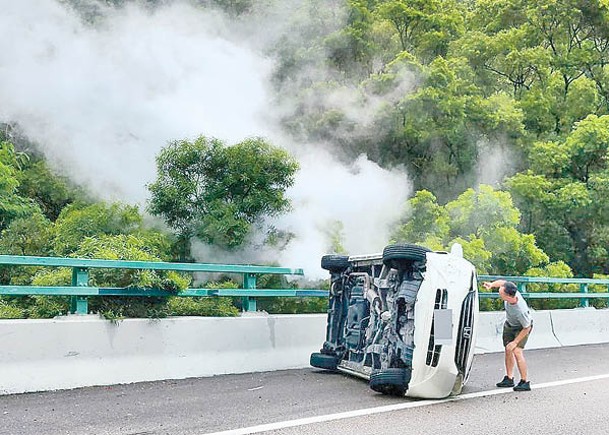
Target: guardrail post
249,282
80,278
583,288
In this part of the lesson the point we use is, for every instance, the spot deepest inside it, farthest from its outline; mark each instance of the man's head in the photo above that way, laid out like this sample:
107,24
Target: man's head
508,290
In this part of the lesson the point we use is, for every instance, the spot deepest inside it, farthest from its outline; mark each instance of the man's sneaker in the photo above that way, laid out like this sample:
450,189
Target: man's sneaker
506,382
523,386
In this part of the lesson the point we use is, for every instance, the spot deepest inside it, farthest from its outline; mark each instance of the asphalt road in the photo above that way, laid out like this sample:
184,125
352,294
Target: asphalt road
285,398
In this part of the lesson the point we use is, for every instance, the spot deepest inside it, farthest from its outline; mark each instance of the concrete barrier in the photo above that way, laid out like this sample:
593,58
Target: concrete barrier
77,351
490,334
542,335
581,326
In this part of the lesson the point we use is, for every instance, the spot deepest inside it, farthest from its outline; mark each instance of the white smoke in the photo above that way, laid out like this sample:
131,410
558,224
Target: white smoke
103,100
365,198
496,160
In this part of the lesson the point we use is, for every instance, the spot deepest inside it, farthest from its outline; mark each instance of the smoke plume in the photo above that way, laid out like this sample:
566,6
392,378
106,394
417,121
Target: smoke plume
102,98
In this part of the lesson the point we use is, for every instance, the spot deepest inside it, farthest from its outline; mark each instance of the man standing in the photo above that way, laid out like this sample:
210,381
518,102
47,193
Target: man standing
518,325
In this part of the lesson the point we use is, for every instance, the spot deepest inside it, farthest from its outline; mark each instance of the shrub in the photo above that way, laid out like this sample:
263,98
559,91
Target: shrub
186,306
8,311
47,307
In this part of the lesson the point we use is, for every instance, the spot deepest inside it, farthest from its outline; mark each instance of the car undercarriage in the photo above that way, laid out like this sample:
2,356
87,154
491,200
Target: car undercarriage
379,319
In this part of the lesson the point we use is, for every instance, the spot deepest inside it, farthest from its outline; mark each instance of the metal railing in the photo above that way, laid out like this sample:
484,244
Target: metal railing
80,289
523,281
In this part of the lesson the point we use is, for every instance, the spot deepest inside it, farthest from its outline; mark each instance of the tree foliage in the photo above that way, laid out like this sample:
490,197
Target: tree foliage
51,192
77,221
12,205
563,195
484,222
530,77
218,193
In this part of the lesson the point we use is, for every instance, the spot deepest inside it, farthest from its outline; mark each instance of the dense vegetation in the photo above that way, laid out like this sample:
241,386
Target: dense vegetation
497,109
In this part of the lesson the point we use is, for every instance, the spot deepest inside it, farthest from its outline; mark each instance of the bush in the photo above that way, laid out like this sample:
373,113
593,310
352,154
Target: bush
557,269
186,306
119,307
599,303
134,248
489,304
292,305
8,311
47,307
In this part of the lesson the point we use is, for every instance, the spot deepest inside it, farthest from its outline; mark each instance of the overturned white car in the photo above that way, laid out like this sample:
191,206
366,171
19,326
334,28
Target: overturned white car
405,320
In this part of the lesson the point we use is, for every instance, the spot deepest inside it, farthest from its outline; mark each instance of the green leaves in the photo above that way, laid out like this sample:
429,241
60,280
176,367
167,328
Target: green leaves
77,221
550,158
483,221
587,146
566,191
424,218
425,26
50,191
28,236
482,212
12,205
217,192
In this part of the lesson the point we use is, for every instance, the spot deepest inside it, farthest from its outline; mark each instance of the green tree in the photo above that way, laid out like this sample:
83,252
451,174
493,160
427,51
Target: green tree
77,221
491,216
564,195
435,131
424,26
50,191
481,212
218,193
558,269
28,236
424,218
12,205
354,48
552,54
483,221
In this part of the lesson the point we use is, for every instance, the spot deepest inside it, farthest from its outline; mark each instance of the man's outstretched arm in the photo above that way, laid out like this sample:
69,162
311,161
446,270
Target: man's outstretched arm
495,284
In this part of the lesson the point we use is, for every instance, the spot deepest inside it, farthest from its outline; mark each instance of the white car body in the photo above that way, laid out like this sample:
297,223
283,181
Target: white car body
420,342
453,273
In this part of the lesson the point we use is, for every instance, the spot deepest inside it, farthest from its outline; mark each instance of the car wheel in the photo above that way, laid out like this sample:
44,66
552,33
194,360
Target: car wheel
324,361
391,381
403,252
335,263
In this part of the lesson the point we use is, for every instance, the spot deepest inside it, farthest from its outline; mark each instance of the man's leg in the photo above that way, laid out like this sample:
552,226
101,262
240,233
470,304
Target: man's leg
520,362
509,363
508,380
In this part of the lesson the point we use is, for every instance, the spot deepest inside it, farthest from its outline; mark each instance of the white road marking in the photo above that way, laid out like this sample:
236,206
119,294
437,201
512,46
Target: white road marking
397,407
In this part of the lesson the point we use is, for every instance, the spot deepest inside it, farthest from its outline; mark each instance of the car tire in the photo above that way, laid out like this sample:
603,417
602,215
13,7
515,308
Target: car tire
324,361
335,263
390,381
403,252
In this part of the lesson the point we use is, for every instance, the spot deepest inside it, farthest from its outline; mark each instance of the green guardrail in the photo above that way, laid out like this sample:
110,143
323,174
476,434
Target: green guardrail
80,289
522,281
